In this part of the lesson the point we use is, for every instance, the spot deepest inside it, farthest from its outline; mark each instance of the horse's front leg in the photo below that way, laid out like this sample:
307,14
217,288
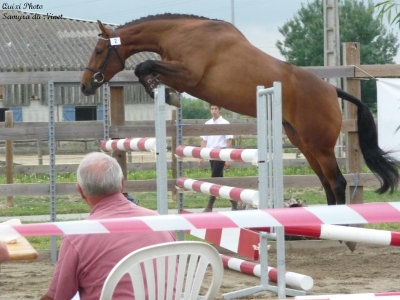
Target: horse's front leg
151,81
175,75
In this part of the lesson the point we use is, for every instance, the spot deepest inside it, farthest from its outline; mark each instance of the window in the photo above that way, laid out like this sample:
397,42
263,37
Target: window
3,114
85,113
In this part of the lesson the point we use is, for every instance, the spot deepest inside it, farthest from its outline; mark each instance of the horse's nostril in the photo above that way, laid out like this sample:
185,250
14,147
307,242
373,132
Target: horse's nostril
83,88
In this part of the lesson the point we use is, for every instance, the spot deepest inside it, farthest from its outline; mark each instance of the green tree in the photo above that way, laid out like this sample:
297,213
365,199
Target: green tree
195,109
304,35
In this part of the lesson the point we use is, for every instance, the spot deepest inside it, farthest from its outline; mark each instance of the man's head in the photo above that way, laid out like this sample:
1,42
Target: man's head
215,111
99,175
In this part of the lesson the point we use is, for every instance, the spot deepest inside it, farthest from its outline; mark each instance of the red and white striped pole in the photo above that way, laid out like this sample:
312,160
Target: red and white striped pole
133,144
240,155
379,212
295,280
226,192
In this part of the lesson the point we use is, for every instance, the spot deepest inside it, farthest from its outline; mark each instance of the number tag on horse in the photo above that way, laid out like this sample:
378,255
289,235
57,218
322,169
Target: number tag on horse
115,41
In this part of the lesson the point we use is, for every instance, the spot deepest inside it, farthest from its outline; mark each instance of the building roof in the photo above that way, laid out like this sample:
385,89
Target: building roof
32,42
28,43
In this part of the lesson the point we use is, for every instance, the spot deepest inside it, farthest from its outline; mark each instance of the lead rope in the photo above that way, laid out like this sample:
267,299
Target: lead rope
356,183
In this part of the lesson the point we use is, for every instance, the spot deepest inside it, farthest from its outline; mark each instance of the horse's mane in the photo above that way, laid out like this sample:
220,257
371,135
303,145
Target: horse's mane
166,16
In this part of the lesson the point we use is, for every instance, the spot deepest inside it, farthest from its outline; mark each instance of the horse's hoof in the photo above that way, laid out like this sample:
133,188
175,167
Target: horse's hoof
351,245
173,99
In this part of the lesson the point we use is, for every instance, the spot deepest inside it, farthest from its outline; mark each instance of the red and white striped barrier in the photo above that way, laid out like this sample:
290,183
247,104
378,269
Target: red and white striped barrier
364,296
240,155
238,240
133,144
345,233
226,192
382,212
295,280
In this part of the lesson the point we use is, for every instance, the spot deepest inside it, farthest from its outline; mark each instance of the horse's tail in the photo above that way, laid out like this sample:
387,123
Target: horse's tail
377,160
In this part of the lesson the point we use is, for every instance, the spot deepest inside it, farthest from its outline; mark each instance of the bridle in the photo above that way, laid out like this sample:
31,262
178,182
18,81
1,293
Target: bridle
106,61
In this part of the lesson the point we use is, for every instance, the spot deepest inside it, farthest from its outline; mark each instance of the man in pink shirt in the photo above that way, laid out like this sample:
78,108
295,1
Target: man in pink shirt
86,260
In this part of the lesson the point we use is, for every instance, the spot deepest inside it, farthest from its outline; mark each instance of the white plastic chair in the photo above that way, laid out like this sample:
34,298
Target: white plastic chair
186,266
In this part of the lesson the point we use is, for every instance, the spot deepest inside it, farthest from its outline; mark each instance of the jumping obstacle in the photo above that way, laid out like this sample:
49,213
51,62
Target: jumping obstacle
132,144
270,187
226,192
364,296
295,280
238,155
245,242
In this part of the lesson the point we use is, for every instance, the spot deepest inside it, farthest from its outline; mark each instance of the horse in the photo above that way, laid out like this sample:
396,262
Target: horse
213,61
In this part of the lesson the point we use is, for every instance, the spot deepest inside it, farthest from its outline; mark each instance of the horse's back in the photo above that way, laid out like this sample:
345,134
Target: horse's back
230,68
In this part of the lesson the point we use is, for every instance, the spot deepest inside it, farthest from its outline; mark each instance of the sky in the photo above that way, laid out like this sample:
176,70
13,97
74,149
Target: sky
258,20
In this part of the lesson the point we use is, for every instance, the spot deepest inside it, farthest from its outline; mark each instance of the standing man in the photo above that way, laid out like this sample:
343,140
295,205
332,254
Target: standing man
220,142
85,260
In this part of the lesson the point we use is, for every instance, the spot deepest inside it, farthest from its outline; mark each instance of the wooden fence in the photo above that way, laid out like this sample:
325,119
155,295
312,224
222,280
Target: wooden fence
94,130
119,129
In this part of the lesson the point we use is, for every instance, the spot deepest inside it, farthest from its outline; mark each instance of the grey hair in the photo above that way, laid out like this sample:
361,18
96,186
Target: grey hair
99,174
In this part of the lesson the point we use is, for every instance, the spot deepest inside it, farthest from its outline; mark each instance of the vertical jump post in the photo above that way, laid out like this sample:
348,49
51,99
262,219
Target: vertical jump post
52,166
161,149
270,171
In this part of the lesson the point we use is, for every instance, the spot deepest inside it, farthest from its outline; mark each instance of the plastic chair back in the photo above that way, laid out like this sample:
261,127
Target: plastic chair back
171,271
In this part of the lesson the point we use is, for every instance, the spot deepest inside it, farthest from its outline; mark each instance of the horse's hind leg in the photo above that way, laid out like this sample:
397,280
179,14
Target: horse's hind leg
332,194
328,164
334,188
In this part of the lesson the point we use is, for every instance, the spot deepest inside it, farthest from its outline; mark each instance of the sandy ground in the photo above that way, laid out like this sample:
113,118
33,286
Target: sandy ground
332,266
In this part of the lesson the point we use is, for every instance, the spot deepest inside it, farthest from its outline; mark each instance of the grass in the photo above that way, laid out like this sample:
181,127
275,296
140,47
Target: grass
26,206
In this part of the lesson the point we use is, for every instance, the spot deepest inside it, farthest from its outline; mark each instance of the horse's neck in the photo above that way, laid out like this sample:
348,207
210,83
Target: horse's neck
146,36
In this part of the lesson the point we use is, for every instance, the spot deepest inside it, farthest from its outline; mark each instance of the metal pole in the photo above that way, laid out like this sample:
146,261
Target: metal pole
52,165
332,52
234,115
179,162
9,144
161,150
106,110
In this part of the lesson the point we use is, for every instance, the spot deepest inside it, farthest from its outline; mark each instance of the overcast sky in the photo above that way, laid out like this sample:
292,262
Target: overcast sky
257,19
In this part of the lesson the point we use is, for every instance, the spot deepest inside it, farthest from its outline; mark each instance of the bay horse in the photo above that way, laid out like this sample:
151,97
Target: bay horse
213,61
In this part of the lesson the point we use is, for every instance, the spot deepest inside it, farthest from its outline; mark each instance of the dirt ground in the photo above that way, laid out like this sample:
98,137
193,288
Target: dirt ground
332,266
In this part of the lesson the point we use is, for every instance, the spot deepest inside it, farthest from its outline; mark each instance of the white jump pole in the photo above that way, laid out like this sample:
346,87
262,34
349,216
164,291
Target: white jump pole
345,233
364,296
293,279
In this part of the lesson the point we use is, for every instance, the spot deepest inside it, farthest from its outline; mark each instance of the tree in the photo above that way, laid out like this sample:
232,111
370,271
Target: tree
195,109
387,8
303,36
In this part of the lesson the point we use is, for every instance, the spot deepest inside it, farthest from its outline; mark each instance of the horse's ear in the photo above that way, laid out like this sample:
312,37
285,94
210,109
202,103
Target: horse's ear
103,28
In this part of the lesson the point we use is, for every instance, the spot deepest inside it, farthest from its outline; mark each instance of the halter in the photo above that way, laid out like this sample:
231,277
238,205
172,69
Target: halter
106,61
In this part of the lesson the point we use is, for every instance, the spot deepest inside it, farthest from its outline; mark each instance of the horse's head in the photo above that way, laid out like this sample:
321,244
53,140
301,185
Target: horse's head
106,61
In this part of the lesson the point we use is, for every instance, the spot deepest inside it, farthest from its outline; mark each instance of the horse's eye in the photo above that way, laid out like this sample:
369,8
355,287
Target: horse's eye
99,52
